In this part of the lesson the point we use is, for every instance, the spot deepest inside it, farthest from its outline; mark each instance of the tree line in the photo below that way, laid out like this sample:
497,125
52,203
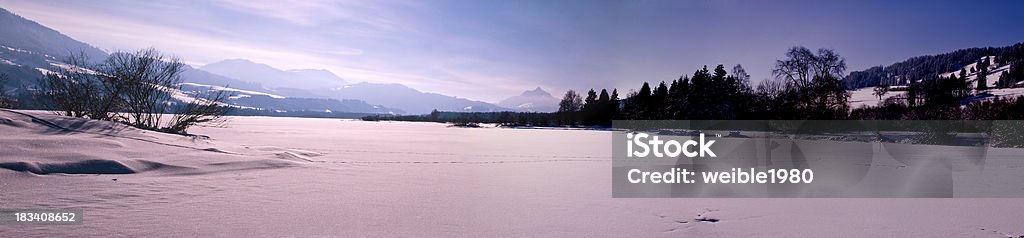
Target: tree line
805,85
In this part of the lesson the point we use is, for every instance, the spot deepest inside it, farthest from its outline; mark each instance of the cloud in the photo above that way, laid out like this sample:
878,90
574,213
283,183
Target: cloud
346,51
319,12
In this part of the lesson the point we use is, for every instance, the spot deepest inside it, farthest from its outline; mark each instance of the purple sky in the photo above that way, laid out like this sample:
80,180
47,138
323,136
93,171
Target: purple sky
489,50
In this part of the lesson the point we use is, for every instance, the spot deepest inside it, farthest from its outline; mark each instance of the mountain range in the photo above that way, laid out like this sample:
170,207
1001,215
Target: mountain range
29,49
272,78
312,83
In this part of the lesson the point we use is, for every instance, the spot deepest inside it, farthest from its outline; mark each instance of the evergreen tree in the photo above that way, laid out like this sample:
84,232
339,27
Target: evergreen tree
606,109
645,91
614,105
656,107
983,74
1003,80
591,100
641,102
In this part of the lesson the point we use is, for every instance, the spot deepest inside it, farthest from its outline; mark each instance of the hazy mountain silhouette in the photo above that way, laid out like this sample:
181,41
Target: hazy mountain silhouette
408,99
318,83
273,78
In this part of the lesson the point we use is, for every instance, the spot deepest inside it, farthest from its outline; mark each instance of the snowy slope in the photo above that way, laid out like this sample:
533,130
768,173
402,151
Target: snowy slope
991,78
866,96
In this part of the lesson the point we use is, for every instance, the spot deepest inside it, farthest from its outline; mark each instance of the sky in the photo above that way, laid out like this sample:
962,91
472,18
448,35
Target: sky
490,50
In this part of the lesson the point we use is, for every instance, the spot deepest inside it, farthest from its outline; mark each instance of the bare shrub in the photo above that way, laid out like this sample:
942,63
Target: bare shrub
73,91
136,88
205,109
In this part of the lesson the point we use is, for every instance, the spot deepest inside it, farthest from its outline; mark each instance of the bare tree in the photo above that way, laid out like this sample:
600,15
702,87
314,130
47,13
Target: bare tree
76,91
136,88
796,68
741,75
571,102
772,88
205,109
828,63
815,78
802,66
144,79
881,90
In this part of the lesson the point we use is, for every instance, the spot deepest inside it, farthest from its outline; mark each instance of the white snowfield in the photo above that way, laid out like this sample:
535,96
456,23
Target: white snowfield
862,97
297,177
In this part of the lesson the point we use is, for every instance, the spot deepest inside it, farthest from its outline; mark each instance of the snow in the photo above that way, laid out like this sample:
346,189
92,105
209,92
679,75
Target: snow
239,96
301,177
1007,92
991,78
866,97
234,90
525,105
8,62
46,71
71,67
15,49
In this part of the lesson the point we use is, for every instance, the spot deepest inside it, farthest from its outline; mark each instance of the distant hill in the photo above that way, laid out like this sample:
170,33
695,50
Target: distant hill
19,33
28,48
410,100
536,100
930,66
273,78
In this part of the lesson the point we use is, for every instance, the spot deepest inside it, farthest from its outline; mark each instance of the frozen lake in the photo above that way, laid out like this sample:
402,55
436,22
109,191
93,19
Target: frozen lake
300,177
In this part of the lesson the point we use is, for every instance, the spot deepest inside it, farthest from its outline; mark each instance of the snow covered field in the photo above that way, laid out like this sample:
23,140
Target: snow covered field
274,177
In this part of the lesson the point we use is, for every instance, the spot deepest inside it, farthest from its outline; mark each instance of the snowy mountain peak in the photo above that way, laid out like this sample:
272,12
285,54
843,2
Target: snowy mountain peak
536,100
536,92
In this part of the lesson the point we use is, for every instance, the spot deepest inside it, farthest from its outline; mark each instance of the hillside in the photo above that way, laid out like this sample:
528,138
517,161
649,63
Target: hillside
16,32
866,96
930,66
